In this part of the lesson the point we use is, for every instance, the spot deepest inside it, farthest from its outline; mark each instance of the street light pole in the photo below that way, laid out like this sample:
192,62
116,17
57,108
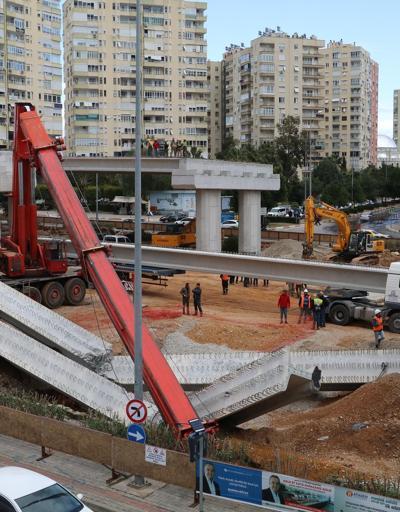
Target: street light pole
139,479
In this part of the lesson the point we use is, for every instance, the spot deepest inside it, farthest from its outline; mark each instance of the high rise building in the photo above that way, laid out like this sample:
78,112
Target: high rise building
277,76
351,104
333,90
30,62
215,69
396,110
100,86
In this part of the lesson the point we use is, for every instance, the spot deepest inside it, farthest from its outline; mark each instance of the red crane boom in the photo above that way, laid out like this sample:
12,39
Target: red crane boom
33,146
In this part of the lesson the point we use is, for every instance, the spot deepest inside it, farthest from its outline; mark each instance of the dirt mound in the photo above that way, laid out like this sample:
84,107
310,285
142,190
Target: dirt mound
284,249
161,313
365,423
388,257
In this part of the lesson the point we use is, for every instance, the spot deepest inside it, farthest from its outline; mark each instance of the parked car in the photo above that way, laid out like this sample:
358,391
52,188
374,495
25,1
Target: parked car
116,239
280,211
168,218
230,224
22,490
184,221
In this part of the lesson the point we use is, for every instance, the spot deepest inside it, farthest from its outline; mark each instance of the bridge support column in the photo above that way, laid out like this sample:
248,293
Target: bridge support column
250,221
208,220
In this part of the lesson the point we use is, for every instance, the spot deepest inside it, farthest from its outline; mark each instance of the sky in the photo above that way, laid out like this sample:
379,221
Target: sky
372,24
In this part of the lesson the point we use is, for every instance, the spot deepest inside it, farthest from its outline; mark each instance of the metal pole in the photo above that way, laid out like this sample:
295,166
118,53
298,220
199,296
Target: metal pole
352,185
139,480
97,197
201,497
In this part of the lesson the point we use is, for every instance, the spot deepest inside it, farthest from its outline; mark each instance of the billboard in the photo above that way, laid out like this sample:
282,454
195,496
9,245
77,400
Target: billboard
289,493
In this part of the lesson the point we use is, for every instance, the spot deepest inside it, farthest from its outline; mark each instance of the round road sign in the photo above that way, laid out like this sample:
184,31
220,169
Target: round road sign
136,411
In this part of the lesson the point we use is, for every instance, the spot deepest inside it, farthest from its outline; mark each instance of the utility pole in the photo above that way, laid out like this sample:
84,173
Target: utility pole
137,296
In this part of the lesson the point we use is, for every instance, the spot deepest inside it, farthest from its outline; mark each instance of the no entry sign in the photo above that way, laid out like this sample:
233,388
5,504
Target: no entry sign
136,411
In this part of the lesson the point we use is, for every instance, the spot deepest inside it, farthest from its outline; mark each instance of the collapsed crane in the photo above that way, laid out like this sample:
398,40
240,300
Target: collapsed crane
34,149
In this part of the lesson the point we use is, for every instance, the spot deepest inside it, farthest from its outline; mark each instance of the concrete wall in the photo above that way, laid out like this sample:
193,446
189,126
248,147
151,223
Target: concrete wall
120,454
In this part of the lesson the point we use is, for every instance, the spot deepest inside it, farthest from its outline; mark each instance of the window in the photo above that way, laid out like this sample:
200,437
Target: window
5,506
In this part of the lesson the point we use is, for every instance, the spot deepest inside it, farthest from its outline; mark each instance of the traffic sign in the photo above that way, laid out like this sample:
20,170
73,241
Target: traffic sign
136,411
136,434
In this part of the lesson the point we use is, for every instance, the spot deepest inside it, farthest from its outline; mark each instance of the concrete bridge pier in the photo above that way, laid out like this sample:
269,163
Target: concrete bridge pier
250,221
208,226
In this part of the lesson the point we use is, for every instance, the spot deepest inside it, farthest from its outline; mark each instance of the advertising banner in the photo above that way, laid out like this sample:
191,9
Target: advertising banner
264,488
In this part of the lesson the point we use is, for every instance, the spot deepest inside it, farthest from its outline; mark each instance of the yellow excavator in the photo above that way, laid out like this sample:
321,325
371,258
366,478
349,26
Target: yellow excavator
349,244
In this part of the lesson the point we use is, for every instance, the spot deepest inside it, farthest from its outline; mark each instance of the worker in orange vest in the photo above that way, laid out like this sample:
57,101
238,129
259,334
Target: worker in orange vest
305,306
377,327
225,283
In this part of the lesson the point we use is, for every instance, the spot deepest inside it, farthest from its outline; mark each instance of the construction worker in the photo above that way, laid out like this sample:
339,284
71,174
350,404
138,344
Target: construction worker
225,283
316,311
185,293
316,378
304,305
284,304
324,307
377,327
197,300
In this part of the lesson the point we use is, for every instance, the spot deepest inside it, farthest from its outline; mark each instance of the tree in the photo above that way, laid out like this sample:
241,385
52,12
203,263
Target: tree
290,147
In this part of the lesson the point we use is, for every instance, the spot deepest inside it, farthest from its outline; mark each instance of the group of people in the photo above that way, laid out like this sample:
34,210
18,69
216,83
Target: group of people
175,148
309,307
196,294
227,280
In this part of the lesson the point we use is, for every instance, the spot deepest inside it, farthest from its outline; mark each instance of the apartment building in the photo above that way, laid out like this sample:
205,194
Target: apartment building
215,70
100,85
30,63
396,110
351,104
277,76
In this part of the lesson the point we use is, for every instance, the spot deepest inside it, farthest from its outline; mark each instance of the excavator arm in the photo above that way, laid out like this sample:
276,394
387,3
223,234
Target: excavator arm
323,210
40,151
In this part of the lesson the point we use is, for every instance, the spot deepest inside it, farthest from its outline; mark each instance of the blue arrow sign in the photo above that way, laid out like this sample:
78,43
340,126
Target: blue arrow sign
136,433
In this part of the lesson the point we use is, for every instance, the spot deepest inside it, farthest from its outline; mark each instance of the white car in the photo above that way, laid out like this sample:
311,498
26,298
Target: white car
279,211
22,490
184,221
230,224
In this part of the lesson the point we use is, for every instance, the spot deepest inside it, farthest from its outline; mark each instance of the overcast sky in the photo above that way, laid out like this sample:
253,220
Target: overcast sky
374,25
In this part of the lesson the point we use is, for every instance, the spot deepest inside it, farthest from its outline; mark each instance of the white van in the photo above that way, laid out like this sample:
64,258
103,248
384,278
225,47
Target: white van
280,211
116,239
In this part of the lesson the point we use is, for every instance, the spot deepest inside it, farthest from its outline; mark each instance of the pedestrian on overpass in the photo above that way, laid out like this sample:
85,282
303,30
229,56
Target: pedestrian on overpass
284,304
185,293
377,327
197,300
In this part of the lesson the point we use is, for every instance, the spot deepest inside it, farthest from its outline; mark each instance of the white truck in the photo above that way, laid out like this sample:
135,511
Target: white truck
346,305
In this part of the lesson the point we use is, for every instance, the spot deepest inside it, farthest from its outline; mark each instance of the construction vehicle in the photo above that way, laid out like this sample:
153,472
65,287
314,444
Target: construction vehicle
349,244
345,305
176,235
35,150
39,270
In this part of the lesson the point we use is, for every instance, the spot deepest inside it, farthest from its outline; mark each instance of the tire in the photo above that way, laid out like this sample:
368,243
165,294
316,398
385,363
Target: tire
75,291
394,323
33,293
53,294
339,314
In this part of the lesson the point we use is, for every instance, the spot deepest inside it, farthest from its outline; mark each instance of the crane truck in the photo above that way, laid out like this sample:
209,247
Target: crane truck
349,244
35,151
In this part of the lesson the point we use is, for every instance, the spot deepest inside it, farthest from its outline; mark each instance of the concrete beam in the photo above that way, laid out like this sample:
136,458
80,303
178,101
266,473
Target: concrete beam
372,279
223,175
120,165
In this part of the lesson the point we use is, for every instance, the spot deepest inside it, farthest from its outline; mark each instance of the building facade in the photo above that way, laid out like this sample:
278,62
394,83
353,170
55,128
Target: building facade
396,110
333,90
100,86
351,104
277,76
30,63
215,70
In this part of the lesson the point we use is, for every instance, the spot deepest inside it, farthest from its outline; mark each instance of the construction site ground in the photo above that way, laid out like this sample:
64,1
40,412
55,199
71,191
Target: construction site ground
248,319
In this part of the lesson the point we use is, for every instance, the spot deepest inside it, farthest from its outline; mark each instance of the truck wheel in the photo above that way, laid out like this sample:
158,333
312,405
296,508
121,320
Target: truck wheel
75,291
394,323
53,294
33,293
339,314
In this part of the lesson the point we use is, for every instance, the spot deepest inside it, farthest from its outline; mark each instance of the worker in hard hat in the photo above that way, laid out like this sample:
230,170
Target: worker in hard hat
377,327
317,303
304,305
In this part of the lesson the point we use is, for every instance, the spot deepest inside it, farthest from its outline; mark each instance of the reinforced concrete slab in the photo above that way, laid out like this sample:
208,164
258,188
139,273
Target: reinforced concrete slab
52,329
68,377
